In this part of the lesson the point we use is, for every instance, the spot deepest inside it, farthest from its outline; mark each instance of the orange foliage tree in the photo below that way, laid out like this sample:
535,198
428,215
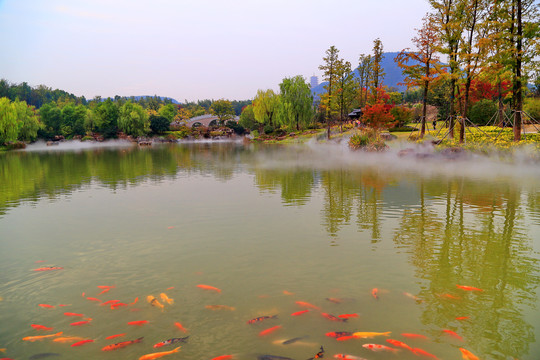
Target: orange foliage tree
377,113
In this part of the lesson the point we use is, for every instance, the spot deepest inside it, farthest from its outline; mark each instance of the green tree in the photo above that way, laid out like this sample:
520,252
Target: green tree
28,122
106,118
159,124
223,109
133,119
364,66
247,118
51,117
73,118
265,106
168,111
9,128
329,74
346,89
297,99
377,73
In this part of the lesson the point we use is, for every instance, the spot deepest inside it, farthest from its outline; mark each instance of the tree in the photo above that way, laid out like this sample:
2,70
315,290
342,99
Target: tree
377,113
265,106
106,118
247,118
425,65
346,89
297,99
133,119
223,109
364,70
168,111
377,73
28,122
159,124
8,121
329,74
51,117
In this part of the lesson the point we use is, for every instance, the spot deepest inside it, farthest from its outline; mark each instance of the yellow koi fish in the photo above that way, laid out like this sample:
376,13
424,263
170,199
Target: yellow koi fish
34,338
154,302
220,307
166,299
159,354
366,335
67,339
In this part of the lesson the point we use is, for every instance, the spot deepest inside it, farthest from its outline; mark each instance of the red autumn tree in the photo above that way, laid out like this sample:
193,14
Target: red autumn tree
377,113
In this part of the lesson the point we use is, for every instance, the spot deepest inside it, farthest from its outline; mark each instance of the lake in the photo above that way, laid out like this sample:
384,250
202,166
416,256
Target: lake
444,248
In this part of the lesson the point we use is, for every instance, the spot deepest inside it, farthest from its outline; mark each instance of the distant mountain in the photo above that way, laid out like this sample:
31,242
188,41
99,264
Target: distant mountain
393,75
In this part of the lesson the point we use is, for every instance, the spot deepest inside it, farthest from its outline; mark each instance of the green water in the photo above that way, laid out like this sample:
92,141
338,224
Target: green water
269,226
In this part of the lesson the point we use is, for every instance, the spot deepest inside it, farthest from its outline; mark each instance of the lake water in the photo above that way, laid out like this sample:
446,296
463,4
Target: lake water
269,226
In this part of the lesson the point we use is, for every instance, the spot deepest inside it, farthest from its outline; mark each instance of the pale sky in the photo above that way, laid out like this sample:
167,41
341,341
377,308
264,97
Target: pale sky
191,49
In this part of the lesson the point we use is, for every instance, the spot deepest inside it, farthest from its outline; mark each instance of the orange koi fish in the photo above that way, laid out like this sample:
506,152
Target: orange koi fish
65,339
414,336
73,314
367,335
93,299
110,302
121,344
468,288
47,268
166,299
134,301
170,288
377,347
462,318
338,334
46,306
115,336
82,342
300,312
345,338
208,287
39,261
138,323
159,354
220,307
64,304
79,323
41,327
154,302
106,286
285,292
400,344
104,291
332,317
261,318
467,355
307,305
450,296
117,305
269,330
422,352
374,293
180,327
348,316
453,334
223,357
35,338
409,295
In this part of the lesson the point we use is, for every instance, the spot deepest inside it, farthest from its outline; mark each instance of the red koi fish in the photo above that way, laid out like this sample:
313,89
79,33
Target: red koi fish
377,347
270,330
170,288
121,344
208,287
375,293
108,302
468,288
47,268
180,327
82,342
400,344
41,327
115,336
64,304
332,317
338,334
104,291
307,305
46,306
285,292
223,357
462,318
134,301
300,312
422,352
117,305
348,316
93,299
414,336
73,314
79,323
345,338
138,323
106,286
453,334
450,296
467,355
261,318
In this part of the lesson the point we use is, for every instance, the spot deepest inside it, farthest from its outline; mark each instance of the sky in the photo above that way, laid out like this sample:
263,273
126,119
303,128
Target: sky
191,49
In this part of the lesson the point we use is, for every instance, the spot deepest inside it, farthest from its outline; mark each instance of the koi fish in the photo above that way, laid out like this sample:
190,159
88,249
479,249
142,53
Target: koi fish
418,351
134,301
453,334
171,341
307,305
366,335
108,302
47,268
345,338
261,318
334,300
467,355
106,286
65,339
208,287
374,293
285,292
121,344
462,318
300,312
159,354
82,342
348,316
46,306
180,327
220,307
332,317
400,344
73,314
414,336
138,322
223,357
269,330
348,357
117,305
170,288
272,357
293,340
450,296
318,355
39,261
166,299
114,336
337,334
468,288
79,323
104,291
93,299
64,304
377,347
154,302
42,356
41,327
409,295
35,338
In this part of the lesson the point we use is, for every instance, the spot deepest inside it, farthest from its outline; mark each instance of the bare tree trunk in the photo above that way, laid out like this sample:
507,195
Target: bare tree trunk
517,82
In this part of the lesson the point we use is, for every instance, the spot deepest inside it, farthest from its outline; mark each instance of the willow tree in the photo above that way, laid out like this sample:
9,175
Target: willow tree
133,119
425,66
297,101
265,106
330,75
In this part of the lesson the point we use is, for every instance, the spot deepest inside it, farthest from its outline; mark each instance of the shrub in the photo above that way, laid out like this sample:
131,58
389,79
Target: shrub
358,141
268,129
159,124
532,108
402,115
482,112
